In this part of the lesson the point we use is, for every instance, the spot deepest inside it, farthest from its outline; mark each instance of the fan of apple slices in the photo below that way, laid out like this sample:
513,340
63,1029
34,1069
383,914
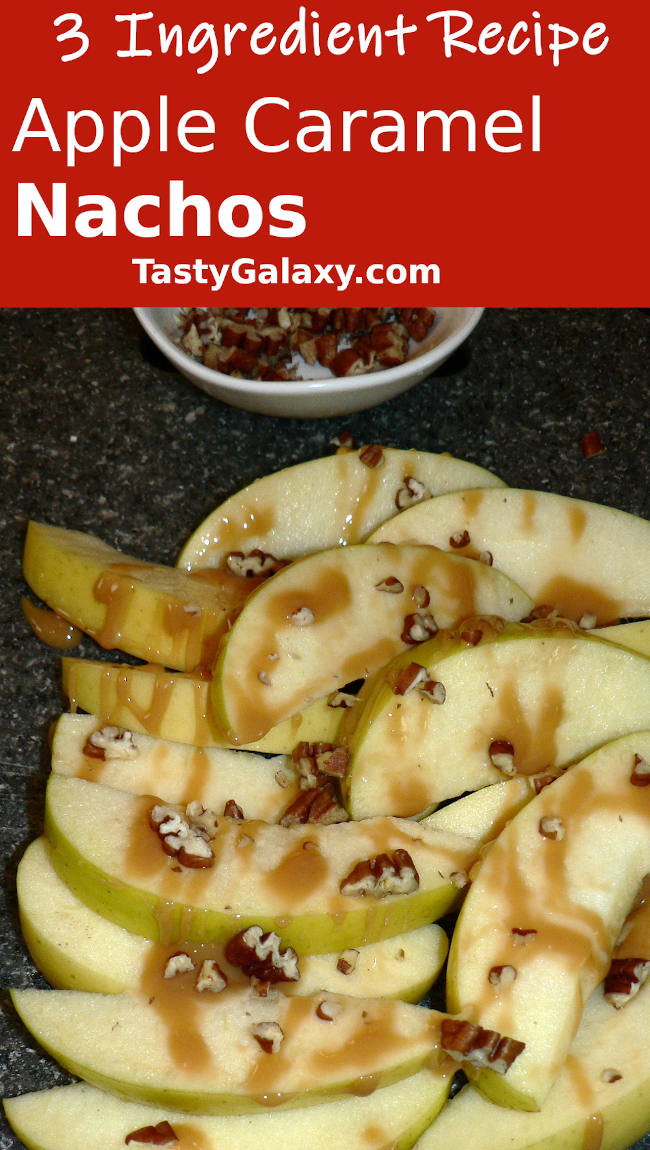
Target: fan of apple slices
237,942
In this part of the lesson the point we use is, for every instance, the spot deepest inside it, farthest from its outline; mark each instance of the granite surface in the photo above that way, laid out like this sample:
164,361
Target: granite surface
98,433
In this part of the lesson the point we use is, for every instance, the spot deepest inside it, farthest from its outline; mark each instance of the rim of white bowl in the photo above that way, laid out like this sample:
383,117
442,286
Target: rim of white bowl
298,387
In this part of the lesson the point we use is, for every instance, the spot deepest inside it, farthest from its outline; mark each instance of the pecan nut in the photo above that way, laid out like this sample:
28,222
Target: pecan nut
260,955
465,1042
382,875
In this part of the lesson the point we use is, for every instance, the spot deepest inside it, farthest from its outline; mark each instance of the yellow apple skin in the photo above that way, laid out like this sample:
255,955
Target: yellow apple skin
176,706
328,502
327,619
80,1117
76,949
103,848
134,1047
580,557
584,1108
262,787
568,867
154,612
552,690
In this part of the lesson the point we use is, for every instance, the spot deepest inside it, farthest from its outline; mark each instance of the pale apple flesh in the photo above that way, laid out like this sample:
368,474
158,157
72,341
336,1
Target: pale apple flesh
553,692
577,557
261,787
634,635
328,502
76,949
333,617
80,1117
210,1057
176,706
483,814
545,908
154,612
285,879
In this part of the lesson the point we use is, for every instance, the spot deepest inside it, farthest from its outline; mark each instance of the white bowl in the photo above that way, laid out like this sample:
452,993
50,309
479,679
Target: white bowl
325,395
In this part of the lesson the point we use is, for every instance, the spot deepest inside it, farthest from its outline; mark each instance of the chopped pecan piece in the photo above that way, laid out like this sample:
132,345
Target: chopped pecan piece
486,557
327,1010
588,621
182,838
521,936
591,444
333,762
610,1074
162,1134
347,961
269,1035
211,977
261,956
253,564
372,455
459,539
421,596
391,585
382,875
302,617
409,678
624,979
110,743
317,805
472,636
412,492
541,780
502,975
640,776
418,627
502,756
433,690
179,963
342,699
465,1042
232,810
551,827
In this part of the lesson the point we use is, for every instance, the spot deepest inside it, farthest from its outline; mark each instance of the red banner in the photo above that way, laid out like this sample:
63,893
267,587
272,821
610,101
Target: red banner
488,154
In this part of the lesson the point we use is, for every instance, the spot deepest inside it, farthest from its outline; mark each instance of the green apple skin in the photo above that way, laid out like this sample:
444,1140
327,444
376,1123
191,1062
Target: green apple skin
568,866
103,848
176,706
176,772
185,1053
271,665
584,1107
328,502
80,1117
552,690
76,949
580,557
156,613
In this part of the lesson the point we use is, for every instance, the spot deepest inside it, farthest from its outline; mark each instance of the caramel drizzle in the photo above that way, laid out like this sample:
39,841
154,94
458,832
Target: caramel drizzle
49,627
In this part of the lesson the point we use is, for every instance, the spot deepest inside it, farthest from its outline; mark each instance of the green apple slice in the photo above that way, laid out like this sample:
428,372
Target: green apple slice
601,1097
567,868
323,503
635,635
333,617
208,1057
552,691
262,787
284,879
581,558
483,814
76,949
176,706
150,611
80,1117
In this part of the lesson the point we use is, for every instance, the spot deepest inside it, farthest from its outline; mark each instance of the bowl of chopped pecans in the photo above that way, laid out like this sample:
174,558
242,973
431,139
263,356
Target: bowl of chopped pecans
298,362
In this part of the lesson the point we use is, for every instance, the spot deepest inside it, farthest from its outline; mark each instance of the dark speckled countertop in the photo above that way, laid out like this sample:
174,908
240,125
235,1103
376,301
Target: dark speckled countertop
98,433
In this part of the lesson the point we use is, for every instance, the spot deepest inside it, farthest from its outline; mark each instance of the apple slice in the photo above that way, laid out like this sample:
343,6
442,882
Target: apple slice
601,1097
545,908
295,880
150,611
75,948
550,691
324,503
80,1117
262,787
333,617
176,706
483,814
581,558
635,635
232,1052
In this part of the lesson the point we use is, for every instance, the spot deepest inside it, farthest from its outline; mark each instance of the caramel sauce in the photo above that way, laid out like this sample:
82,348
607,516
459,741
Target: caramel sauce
302,871
191,1138
241,531
369,479
374,1135
533,733
472,501
573,598
179,1007
51,628
594,1129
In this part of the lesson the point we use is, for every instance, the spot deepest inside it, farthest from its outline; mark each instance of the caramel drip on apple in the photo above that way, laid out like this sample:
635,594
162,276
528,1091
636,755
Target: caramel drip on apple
49,627
301,871
573,598
191,1137
367,481
587,1097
